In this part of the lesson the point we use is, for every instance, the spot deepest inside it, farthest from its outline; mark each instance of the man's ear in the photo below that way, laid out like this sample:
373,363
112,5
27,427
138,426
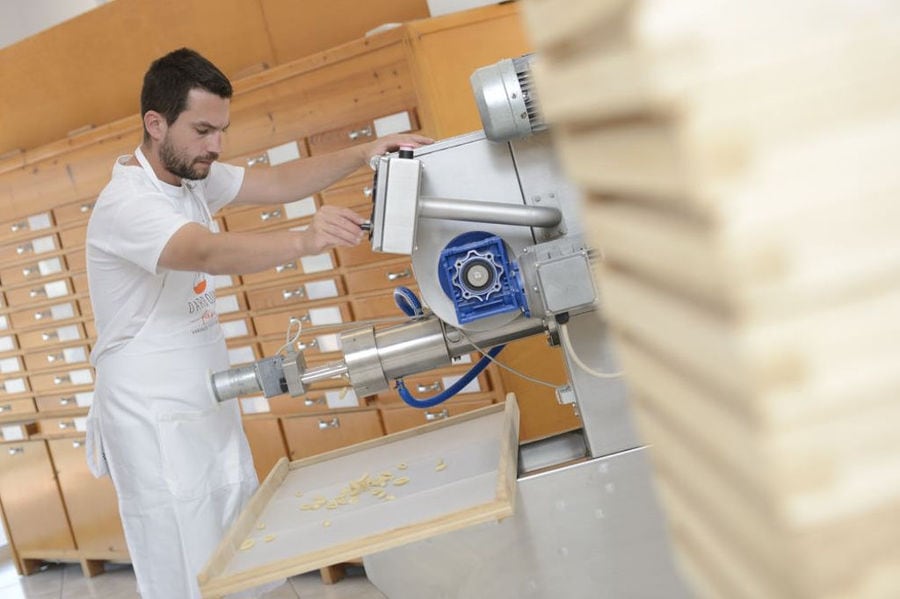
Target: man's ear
155,124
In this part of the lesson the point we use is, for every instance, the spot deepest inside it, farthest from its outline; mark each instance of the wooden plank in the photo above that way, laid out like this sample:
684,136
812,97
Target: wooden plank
771,269
301,541
799,354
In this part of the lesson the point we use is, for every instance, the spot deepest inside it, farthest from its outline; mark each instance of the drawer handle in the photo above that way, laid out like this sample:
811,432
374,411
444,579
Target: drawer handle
270,215
435,386
309,402
50,336
19,226
357,133
54,357
432,416
37,292
6,407
367,191
261,159
42,315
393,276
30,270
85,208
290,294
64,401
25,247
303,346
66,424
62,380
77,444
16,450
284,267
326,424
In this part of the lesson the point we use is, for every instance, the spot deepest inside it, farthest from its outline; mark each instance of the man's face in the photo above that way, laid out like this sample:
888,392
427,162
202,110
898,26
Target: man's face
194,140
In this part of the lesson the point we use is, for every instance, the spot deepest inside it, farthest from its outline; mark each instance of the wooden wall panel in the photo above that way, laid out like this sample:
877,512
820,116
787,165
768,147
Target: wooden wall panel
298,31
88,70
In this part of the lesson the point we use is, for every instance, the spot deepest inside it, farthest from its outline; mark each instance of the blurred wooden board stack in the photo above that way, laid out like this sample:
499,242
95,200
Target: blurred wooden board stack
739,162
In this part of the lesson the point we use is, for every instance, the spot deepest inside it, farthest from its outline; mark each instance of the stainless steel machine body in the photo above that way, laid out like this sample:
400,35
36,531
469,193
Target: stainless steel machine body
484,220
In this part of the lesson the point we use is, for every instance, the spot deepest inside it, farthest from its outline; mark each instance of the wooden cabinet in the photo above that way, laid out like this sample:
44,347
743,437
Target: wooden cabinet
311,435
90,502
32,504
351,94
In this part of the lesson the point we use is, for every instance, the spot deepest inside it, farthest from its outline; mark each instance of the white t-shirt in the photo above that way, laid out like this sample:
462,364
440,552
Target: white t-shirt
131,223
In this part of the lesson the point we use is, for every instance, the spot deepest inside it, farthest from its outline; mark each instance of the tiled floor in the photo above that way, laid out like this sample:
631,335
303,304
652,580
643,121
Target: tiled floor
65,581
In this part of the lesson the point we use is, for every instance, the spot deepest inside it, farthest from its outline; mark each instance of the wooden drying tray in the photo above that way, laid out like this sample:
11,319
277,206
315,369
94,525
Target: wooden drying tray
461,471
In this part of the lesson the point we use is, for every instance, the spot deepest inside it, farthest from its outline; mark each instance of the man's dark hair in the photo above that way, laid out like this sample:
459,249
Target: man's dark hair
170,78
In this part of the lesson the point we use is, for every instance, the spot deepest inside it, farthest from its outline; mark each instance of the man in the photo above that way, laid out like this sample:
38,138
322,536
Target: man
179,460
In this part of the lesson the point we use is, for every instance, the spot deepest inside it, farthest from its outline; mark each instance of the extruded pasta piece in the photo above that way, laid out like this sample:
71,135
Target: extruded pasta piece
247,544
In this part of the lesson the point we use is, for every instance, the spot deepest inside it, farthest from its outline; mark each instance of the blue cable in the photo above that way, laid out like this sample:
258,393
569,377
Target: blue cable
453,389
408,302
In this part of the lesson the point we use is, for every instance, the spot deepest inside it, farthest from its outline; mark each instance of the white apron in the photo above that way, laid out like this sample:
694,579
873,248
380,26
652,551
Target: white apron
179,460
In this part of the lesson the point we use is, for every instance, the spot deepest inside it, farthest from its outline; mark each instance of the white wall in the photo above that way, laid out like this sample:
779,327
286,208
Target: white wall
22,18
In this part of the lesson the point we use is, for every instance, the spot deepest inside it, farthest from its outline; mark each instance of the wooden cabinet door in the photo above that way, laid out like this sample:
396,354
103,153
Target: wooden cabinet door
401,418
311,435
266,443
91,502
31,499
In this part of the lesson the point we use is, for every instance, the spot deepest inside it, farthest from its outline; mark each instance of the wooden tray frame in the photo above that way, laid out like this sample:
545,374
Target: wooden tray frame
213,583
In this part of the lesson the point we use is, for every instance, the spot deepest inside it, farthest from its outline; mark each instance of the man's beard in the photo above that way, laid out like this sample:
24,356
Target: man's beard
179,166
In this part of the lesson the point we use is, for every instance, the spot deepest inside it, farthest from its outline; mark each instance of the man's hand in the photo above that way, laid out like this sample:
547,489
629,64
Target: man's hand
332,227
391,143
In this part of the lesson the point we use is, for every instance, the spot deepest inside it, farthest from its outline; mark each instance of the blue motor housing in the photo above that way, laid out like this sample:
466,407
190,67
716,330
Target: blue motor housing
476,273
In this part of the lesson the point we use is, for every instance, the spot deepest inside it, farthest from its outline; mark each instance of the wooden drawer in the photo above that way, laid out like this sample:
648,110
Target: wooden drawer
311,435
376,306
271,156
242,352
34,511
281,216
426,385
355,190
311,316
13,385
77,260
80,283
8,343
62,380
237,328
73,237
230,302
13,407
316,402
44,316
25,226
91,503
37,270
401,418
380,276
10,365
65,425
305,265
63,402
56,358
40,292
295,290
29,248
74,212
43,338
363,131
317,347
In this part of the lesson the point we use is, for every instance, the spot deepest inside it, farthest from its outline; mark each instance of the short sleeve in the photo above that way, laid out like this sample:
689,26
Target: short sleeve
136,227
222,185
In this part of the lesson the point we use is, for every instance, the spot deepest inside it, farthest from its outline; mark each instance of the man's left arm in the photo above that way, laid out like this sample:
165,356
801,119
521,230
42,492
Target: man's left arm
304,177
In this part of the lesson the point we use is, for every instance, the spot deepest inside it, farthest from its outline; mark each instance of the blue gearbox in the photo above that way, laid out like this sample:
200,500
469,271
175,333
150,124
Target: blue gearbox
476,273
